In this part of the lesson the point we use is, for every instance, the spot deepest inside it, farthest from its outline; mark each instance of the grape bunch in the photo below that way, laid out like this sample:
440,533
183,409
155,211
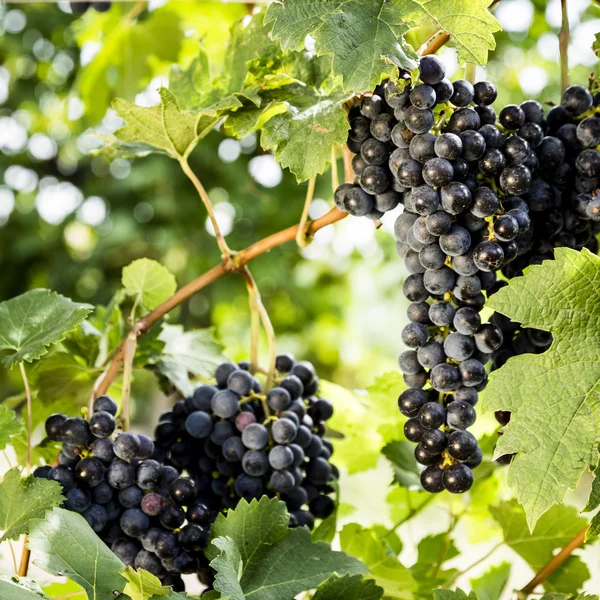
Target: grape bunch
80,8
236,441
481,193
146,513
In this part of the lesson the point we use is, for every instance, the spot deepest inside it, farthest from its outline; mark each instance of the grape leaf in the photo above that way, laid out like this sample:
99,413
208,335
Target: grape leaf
125,62
196,352
358,448
9,426
350,587
63,588
456,594
429,573
61,377
64,544
35,320
553,530
596,44
366,39
373,550
164,129
256,554
492,583
553,397
469,23
142,585
402,457
149,281
45,452
22,500
18,588
302,137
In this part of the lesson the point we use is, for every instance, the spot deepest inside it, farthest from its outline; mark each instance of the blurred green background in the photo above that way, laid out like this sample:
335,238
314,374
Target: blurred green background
71,222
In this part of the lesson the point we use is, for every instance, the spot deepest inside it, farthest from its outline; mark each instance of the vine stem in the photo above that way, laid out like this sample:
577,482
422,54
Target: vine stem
29,417
129,354
236,264
25,556
226,252
268,326
564,37
554,563
434,43
348,170
302,238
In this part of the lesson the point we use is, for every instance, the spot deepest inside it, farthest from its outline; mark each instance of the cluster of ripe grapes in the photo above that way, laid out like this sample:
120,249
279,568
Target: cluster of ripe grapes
236,442
481,193
147,513
232,440
79,8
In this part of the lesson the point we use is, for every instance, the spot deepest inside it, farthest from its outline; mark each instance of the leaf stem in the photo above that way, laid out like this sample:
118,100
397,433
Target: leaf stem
348,170
129,355
554,563
14,557
411,513
564,37
254,327
239,261
335,180
266,321
301,236
29,417
470,72
226,252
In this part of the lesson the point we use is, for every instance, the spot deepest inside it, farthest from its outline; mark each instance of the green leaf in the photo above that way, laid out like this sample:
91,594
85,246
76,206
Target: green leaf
149,281
596,44
402,457
9,426
64,544
469,23
22,500
125,63
35,320
142,585
164,129
492,583
350,587
18,588
302,137
373,550
61,377
456,594
256,554
358,448
594,529
366,39
59,589
430,573
196,352
554,530
45,452
553,397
